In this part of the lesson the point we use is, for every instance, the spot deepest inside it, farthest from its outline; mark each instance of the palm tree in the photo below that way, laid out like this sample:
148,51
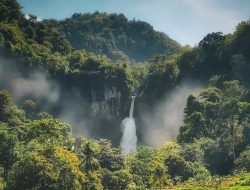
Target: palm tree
89,162
158,175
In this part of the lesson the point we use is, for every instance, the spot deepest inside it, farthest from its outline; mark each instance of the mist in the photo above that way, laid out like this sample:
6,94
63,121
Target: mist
129,137
160,124
165,119
73,111
46,93
50,95
37,85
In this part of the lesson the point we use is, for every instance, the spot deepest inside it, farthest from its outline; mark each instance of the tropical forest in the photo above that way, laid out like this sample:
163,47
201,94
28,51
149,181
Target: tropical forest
102,101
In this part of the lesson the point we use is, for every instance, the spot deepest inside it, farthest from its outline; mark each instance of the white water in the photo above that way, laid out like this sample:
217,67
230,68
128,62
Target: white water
131,111
129,138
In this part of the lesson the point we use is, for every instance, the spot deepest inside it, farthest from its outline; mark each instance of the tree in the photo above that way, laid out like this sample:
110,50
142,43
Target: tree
88,153
212,41
178,168
240,68
30,32
49,131
212,94
192,152
193,105
211,47
54,168
159,176
124,179
25,175
230,125
194,128
243,161
9,146
109,157
68,167
139,165
240,39
30,108
2,182
9,112
10,11
216,160
118,180
233,89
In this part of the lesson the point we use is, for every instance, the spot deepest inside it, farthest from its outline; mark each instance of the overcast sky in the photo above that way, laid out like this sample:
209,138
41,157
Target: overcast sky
186,21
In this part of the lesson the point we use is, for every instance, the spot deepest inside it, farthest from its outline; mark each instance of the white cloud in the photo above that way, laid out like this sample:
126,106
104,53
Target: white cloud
38,19
213,15
188,21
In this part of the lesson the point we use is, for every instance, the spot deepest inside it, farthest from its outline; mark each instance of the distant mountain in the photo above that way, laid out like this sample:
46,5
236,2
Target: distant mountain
116,36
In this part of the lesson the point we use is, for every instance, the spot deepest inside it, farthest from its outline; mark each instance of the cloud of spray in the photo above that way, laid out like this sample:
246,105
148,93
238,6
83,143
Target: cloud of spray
47,93
129,137
73,111
37,86
64,103
165,119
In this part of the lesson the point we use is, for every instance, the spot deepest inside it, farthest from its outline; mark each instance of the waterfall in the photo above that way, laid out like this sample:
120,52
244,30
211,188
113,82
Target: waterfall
129,138
131,111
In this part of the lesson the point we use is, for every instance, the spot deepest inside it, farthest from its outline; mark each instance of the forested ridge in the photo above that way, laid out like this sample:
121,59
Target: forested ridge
38,151
116,36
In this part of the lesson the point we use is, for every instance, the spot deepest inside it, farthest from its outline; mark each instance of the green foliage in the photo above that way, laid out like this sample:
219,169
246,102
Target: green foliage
244,180
218,54
212,42
9,112
115,36
38,151
178,169
36,145
220,113
24,173
194,128
243,161
240,67
233,89
10,11
49,131
217,160
240,39
9,148
109,157
162,77
58,169
139,165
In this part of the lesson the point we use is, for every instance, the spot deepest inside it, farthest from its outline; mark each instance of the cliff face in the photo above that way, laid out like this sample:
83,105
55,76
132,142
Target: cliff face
109,104
94,102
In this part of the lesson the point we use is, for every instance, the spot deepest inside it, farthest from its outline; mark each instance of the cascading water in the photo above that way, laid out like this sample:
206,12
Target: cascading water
131,111
129,138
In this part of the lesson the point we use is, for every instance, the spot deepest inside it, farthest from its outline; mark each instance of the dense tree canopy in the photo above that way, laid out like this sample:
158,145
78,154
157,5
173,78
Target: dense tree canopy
88,53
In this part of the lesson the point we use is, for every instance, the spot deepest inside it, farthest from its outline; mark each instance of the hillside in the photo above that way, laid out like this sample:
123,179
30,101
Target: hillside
116,36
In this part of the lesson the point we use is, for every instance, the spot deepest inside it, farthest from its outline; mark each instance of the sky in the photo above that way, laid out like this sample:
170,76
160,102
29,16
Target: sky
186,21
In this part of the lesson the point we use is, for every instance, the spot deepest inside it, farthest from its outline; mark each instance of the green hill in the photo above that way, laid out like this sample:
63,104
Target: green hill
116,36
